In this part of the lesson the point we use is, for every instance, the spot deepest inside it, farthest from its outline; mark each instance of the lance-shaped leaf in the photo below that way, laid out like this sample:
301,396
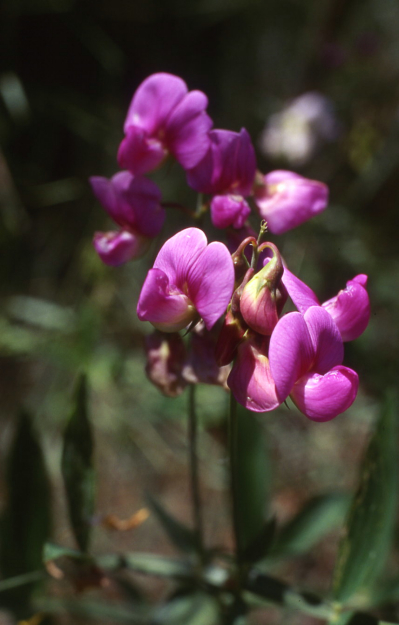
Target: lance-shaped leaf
371,519
189,609
319,516
77,467
180,535
252,481
26,522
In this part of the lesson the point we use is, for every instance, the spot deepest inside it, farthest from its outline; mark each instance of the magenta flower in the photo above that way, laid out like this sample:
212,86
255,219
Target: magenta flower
350,309
250,380
164,118
190,279
134,204
305,353
227,172
286,200
116,248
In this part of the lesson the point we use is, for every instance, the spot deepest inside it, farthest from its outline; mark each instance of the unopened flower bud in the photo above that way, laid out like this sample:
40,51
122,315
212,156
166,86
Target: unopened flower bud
117,247
166,356
263,297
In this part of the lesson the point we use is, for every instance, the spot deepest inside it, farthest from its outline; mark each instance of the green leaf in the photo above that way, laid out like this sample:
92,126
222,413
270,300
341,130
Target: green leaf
191,609
252,480
77,467
371,519
180,535
151,564
27,519
98,611
354,618
319,516
52,551
260,546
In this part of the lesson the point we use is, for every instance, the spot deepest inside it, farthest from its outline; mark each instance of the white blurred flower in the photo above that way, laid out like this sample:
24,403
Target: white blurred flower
296,132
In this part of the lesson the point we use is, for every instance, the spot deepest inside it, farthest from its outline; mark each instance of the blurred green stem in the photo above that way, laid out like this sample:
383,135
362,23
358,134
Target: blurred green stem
194,476
233,442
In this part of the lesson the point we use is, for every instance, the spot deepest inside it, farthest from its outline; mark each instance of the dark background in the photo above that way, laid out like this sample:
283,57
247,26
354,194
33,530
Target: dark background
68,70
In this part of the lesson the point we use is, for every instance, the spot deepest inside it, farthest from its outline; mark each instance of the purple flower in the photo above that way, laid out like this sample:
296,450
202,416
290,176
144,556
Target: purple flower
227,172
250,380
166,356
306,352
201,365
164,118
134,204
190,279
350,309
116,248
286,200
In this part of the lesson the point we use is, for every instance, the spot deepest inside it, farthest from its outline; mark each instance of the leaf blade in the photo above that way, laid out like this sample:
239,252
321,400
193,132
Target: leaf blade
77,467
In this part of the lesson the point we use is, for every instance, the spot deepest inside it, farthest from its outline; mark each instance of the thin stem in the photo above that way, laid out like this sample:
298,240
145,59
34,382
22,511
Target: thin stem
194,473
232,434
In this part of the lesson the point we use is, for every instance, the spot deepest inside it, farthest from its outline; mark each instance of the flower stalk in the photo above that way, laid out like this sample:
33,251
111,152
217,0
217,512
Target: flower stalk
194,473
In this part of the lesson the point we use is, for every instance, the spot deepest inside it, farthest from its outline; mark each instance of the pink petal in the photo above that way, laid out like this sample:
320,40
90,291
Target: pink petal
291,352
323,397
154,100
251,381
228,167
302,295
116,248
139,152
210,281
288,200
166,308
186,131
179,253
229,210
350,309
326,339
133,202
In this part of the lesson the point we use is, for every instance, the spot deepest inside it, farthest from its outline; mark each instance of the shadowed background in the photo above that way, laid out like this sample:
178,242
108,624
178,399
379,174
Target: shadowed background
67,73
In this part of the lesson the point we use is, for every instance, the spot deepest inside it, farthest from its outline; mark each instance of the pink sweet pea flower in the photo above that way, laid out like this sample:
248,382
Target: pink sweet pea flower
227,172
286,200
350,309
134,204
164,118
189,279
306,352
250,379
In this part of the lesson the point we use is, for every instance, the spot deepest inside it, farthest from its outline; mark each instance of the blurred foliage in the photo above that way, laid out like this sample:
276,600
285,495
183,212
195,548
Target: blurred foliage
68,69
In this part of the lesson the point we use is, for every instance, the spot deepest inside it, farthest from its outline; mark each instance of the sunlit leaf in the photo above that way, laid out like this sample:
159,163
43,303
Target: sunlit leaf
77,467
151,564
372,516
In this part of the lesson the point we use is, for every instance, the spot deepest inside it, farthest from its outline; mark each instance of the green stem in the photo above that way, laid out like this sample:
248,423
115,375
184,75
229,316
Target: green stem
232,435
194,473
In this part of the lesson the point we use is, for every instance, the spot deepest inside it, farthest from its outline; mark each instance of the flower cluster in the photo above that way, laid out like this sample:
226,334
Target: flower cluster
230,304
